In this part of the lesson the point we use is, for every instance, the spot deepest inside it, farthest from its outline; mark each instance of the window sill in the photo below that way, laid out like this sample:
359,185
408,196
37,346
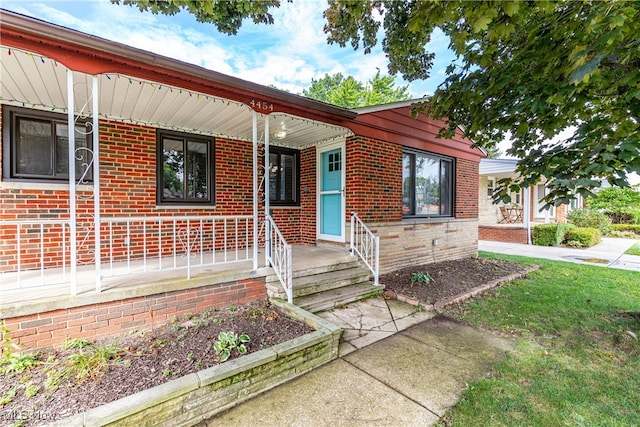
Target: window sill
25,185
425,220
181,207
281,207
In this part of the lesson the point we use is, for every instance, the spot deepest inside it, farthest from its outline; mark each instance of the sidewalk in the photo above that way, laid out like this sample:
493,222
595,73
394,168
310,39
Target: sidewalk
396,367
608,253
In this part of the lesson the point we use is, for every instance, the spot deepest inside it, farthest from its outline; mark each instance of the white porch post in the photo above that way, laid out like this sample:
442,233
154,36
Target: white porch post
267,225
96,183
527,212
73,255
255,191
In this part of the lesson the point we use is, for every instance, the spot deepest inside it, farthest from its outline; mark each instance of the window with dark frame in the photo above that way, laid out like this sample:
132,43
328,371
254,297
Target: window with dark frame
36,144
284,176
427,185
185,168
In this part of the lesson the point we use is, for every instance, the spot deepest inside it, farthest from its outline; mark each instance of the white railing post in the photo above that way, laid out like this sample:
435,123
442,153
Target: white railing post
71,126
352,233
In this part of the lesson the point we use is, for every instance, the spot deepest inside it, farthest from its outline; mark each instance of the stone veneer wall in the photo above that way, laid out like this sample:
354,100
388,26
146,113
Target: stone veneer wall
410,242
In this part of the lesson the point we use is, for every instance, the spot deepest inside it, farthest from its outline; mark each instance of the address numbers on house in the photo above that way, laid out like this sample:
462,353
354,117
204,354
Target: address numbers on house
260,105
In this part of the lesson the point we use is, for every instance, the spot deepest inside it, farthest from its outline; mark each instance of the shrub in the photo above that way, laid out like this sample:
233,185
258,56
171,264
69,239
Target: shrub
589,218
622,205
624,230
584,237
550,234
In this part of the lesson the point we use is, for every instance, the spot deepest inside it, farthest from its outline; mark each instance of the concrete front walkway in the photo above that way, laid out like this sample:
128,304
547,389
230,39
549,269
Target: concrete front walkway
397,367
608,253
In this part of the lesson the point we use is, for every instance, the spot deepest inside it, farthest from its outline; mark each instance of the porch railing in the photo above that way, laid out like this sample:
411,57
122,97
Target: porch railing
37,252
278,255
366,245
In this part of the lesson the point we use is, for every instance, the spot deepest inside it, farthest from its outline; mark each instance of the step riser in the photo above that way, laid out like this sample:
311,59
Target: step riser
333,303
319,270
320,284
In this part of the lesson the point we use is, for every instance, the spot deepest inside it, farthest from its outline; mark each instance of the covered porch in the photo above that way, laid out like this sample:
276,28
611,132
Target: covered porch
103,233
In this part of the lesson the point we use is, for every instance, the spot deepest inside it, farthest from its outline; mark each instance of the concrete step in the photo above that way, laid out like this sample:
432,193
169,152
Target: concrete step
320,282
310,268
336,297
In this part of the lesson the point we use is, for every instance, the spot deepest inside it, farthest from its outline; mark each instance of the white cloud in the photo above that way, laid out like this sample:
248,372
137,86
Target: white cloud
287,54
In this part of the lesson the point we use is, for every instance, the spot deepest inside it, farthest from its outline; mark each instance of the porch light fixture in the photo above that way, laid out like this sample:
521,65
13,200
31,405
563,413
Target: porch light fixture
281,132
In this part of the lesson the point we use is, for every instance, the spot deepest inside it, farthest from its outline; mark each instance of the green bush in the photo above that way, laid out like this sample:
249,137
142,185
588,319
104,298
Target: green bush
622,205
550,234
624,230
584,236
589,218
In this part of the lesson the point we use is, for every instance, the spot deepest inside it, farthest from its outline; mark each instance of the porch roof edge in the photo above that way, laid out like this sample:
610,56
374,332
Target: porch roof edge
22,26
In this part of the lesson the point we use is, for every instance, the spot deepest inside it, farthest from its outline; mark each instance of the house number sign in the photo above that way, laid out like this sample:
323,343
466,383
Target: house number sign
260,105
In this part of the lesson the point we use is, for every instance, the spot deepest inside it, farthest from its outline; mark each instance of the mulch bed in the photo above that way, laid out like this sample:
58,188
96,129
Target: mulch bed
143,361
447,278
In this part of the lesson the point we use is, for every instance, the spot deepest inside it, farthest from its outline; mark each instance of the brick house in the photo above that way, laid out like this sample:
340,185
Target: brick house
513,222
202,189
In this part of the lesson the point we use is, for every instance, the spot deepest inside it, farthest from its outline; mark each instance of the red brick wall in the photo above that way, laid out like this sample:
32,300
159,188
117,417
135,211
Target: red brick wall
374,179
112,318
374,182
502,234
466,189
127,188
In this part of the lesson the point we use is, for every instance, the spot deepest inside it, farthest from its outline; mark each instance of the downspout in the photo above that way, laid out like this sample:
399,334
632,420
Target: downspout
255,191
96,185
73,254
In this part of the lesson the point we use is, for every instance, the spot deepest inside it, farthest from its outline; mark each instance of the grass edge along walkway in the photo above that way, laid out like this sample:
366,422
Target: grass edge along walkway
634,250
576,360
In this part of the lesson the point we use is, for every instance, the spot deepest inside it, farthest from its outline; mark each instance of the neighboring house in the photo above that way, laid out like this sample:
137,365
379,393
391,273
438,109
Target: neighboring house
512,222
168,178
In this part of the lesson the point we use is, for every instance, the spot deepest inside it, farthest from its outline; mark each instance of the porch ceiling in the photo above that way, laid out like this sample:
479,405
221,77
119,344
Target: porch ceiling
34,81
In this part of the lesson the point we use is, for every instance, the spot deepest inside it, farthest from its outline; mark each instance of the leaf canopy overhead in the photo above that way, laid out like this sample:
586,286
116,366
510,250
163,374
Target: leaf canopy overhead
531,71
528,71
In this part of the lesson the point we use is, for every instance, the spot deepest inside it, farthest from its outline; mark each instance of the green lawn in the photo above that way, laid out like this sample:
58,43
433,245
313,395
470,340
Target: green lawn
575,361
634,250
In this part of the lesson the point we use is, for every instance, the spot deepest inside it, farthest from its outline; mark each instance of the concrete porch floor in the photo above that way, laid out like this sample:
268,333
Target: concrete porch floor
304,257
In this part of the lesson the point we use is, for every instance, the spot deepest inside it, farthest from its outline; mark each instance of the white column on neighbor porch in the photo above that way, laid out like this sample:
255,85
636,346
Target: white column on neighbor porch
265,166
73,254
96,181
256,196
526,217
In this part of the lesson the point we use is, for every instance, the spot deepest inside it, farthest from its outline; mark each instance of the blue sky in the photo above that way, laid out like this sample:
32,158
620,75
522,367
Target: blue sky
287,54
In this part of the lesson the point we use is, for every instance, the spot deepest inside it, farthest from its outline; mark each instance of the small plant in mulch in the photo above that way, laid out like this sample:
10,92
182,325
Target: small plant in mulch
228,342
420,277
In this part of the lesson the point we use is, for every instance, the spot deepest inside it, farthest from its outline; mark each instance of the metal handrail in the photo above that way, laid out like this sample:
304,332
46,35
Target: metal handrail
278,254
366,245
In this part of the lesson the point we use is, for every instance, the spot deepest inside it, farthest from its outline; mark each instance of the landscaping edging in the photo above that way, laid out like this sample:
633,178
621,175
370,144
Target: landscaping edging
438,305
201,395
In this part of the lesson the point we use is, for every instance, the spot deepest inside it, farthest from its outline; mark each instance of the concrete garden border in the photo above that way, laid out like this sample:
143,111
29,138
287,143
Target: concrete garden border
198,396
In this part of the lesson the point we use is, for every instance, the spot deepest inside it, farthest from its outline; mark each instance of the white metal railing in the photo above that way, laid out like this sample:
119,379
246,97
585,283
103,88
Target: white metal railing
278,255
37,252
29,248
366,245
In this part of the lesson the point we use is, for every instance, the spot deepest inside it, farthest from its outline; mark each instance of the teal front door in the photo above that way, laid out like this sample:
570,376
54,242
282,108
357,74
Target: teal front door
331,215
